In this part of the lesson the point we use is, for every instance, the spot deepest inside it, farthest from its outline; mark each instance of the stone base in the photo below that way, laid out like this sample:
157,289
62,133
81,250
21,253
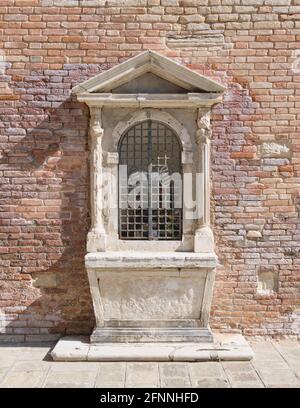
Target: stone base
226,347
204,240
96,241
151,335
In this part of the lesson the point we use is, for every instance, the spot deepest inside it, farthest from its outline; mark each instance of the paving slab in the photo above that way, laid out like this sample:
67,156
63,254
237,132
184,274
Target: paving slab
272,366
3,372
206,370
242,374
208,375
272,376
211,383
70,379
265,351
175,383
23,379
63,366
29,366
34,354
283,385
71,375
7,362
174,375
140,375
290,352
245,384
25,352
111,374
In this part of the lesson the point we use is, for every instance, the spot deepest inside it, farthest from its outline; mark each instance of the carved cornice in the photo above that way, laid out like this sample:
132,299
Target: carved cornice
139,101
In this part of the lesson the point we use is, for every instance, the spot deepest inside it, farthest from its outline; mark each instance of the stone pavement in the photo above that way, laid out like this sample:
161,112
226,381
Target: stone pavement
276,364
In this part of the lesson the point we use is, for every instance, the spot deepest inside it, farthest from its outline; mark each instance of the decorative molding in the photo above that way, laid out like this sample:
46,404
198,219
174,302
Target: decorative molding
188,100
149,260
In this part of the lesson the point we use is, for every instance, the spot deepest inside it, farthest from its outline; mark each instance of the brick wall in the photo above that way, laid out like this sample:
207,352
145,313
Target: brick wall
48,46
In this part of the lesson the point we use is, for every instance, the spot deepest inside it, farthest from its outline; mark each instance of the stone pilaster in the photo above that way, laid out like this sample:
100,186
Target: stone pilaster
204,239
96,240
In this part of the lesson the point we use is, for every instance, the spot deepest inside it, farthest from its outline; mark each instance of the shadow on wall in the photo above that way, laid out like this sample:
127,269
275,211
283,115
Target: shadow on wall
44,199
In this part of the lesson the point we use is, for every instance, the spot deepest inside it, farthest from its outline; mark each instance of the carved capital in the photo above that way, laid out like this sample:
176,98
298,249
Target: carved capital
204,126
96,129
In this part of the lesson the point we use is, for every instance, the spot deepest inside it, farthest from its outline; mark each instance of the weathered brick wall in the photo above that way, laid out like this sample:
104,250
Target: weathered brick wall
48,46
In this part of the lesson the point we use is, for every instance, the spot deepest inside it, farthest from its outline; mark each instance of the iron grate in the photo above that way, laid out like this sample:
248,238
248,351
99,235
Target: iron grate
150,189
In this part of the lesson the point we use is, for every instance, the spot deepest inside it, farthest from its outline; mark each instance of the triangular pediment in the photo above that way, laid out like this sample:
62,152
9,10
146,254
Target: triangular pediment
149,83
177,78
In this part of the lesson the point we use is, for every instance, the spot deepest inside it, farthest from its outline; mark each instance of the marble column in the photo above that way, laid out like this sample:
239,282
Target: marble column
204,239
96,239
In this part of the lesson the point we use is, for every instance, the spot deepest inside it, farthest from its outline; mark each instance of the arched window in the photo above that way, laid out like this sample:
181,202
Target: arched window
150,183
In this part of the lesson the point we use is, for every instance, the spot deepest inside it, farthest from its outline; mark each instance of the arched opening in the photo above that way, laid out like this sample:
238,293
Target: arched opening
150,183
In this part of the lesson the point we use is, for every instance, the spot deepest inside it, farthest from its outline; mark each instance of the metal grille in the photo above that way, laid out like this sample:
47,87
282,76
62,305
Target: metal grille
150,185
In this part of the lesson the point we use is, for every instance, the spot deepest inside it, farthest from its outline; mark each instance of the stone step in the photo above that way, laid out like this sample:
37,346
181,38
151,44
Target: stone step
151,335
229,347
